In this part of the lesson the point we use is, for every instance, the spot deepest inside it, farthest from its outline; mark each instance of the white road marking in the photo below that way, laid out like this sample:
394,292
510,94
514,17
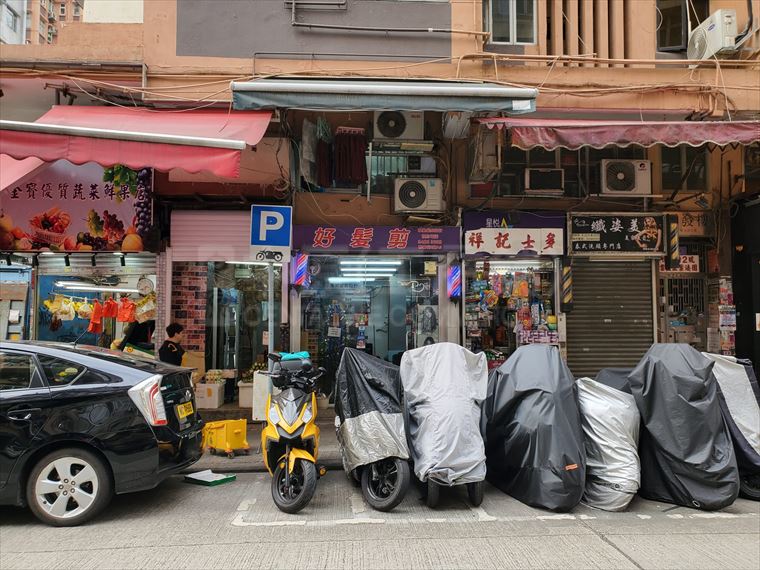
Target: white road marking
713,516
564,517
586,517
246,505
362,520
357,503
483,516
674,516
644,516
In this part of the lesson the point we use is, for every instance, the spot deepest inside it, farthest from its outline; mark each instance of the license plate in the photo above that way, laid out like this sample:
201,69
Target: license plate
184,410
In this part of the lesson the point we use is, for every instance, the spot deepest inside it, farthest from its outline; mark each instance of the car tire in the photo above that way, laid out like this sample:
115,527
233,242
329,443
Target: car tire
56,473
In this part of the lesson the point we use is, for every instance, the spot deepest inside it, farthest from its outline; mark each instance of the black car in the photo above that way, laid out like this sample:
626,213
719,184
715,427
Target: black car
78,424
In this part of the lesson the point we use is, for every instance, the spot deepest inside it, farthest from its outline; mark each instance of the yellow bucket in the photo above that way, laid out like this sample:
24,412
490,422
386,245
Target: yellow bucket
227,436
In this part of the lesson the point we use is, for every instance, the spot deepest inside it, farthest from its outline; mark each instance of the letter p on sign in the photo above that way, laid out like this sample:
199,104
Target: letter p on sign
270,221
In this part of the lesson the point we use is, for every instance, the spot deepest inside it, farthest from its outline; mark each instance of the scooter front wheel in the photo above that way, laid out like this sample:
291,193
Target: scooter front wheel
385,483
292,492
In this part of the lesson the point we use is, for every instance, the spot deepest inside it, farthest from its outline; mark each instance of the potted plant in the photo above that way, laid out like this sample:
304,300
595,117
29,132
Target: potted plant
210,392
245,388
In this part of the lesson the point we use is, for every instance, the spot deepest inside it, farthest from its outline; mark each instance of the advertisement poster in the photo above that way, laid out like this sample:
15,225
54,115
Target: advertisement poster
689,264
69,208
615,234
695,224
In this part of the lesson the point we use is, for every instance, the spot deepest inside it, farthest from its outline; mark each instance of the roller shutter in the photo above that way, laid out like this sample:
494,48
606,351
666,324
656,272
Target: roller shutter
611,324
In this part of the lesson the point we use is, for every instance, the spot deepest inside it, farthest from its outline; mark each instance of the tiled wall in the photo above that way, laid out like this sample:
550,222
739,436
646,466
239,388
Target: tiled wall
189,285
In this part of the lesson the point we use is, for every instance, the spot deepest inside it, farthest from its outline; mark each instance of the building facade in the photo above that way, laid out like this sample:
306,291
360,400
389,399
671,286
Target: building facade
609,141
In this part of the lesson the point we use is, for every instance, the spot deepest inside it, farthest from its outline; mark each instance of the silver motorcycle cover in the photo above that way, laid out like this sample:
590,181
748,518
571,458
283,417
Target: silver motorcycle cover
444,386
369,410
610,422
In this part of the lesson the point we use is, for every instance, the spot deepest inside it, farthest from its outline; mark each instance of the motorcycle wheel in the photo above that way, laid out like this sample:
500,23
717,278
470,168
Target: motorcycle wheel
749,486
385,483
303,484
475,493
433,491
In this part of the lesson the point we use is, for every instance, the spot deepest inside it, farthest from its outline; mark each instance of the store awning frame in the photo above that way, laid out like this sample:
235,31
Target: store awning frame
551,134
573,134
381,95
160,139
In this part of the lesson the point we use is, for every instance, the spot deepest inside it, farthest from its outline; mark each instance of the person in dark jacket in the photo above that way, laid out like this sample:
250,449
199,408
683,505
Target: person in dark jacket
171,351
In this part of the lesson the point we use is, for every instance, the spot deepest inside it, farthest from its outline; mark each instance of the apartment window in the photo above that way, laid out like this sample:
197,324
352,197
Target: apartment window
511,21
63,11
11,19
673,17
684,168
77,10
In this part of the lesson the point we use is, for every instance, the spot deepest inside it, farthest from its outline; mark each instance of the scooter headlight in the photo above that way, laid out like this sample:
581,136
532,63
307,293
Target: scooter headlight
307,414
274,416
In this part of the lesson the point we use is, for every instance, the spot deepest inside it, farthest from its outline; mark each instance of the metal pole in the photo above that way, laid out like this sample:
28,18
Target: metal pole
270,307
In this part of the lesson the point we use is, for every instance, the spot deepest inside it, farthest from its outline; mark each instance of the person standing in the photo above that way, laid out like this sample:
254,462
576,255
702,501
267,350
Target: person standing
171,351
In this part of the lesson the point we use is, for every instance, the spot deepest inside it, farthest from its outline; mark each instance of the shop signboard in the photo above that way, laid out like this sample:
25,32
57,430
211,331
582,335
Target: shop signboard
476,219
695,224
689,264
70,208
271,233
376,239
606,234
515,241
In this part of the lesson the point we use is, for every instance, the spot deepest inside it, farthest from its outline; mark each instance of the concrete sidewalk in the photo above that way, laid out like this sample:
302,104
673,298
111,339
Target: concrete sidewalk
329,451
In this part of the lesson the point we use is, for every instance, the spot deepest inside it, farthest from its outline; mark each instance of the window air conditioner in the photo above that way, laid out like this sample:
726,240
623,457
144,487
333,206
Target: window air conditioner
418,195
626,177
545,181
715,36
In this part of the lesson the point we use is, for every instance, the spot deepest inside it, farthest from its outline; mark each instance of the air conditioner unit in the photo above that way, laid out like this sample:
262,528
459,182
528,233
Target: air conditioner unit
626,177
715,36
399,125
544,181
418,195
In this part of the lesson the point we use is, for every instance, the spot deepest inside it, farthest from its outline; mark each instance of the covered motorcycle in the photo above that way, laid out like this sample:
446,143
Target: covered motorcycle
687,457
444,387
371,430
740,403
610,421
532,430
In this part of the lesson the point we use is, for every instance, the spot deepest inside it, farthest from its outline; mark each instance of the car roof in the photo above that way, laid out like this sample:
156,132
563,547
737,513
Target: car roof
95,357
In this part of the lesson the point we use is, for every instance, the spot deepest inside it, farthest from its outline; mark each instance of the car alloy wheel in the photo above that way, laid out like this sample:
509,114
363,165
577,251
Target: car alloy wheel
66,487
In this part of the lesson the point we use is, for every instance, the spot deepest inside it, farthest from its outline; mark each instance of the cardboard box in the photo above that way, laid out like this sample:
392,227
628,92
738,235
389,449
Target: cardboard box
209,396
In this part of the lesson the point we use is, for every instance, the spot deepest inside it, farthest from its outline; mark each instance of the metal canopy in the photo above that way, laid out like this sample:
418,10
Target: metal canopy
368,95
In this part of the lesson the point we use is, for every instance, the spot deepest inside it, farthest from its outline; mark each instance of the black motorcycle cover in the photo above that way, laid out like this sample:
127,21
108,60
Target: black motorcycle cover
369,407
532,430
687,457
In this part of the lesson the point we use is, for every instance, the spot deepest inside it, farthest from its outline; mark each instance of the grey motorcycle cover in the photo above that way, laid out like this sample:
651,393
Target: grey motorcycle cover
687,457
610,422
444,387
369,407
532,430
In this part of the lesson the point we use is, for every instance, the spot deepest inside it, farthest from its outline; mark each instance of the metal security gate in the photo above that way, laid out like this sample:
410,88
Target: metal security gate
611,324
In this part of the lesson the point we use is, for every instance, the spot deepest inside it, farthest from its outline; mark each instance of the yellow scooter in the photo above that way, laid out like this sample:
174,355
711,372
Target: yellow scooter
290,440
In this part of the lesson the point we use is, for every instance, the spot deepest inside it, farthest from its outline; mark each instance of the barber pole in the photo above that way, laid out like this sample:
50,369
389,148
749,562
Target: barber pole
300,269
673,258
566,300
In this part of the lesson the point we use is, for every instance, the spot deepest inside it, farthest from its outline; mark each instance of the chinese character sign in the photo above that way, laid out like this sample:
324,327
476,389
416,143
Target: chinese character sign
383,239
515,241
594,234
689,264
70,208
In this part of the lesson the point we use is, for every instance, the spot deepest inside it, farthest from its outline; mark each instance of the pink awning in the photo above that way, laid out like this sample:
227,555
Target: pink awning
526,133
12,170
194,141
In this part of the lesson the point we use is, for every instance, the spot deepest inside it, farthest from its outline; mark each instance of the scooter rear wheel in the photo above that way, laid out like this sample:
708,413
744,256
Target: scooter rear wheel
475,493
385,483
433,492
292,492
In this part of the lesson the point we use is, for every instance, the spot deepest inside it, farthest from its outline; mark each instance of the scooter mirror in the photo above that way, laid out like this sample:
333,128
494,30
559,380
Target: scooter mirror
274,357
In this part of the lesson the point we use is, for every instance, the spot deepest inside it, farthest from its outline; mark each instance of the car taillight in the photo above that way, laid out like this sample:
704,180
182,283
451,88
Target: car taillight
147,397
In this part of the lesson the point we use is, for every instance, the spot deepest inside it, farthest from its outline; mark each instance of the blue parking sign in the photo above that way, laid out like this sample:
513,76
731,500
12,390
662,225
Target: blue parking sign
271,231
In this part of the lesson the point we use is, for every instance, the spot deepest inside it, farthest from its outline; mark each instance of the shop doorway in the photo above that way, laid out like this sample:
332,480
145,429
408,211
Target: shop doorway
381,305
